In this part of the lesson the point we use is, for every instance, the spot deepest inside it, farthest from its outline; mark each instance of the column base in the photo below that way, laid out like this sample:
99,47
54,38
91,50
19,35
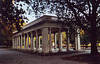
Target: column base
60,51
68,50
45,54
50,52
77,50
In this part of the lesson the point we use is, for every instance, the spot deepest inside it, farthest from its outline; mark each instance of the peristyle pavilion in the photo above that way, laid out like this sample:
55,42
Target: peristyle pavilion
36,36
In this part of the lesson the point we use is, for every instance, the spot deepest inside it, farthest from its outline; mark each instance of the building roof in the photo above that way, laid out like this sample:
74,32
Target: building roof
43,18
38,20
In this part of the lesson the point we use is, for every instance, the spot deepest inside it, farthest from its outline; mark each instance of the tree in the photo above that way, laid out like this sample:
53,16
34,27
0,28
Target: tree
83,14
86,14
11,15
85,39
11,19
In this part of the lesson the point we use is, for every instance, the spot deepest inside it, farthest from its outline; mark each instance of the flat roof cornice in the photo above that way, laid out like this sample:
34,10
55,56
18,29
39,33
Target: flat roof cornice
38,20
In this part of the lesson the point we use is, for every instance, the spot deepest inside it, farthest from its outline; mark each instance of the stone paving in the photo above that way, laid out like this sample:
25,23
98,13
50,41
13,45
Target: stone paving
16,57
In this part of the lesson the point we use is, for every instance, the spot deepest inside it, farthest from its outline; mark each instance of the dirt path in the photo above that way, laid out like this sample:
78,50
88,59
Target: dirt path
16,57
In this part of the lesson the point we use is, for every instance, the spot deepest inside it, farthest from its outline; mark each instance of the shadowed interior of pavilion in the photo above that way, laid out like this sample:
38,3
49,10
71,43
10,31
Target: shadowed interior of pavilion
44,35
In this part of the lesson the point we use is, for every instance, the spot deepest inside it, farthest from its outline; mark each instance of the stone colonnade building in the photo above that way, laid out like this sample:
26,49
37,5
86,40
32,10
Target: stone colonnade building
41,27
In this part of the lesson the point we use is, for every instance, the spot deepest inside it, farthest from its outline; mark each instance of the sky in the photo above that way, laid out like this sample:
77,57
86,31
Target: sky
31,16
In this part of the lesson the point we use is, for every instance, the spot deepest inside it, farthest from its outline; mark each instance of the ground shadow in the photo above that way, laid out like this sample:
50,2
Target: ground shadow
88,58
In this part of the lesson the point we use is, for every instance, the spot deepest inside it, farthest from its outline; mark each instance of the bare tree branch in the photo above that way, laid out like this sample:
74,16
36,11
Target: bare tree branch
80,10
77,19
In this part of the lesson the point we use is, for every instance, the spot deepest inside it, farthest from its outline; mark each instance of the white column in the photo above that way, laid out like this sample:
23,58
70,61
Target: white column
33,44
27,41
78,39
21,41
75,41
24,41
37,41
31,40
68,44
50,43
68,41
13,42
45,44
55,38
59,40
17,42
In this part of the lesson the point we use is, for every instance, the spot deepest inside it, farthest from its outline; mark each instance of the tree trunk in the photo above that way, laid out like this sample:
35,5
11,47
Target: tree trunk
93,39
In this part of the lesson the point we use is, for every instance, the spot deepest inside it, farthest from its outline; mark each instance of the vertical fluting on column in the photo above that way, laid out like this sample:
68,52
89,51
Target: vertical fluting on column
59,40
45,44
50,43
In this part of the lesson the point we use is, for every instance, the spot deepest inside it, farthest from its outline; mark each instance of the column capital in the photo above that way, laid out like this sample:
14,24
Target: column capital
27,33
50,28
60,29
31,32
36,30
75,35
18,35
